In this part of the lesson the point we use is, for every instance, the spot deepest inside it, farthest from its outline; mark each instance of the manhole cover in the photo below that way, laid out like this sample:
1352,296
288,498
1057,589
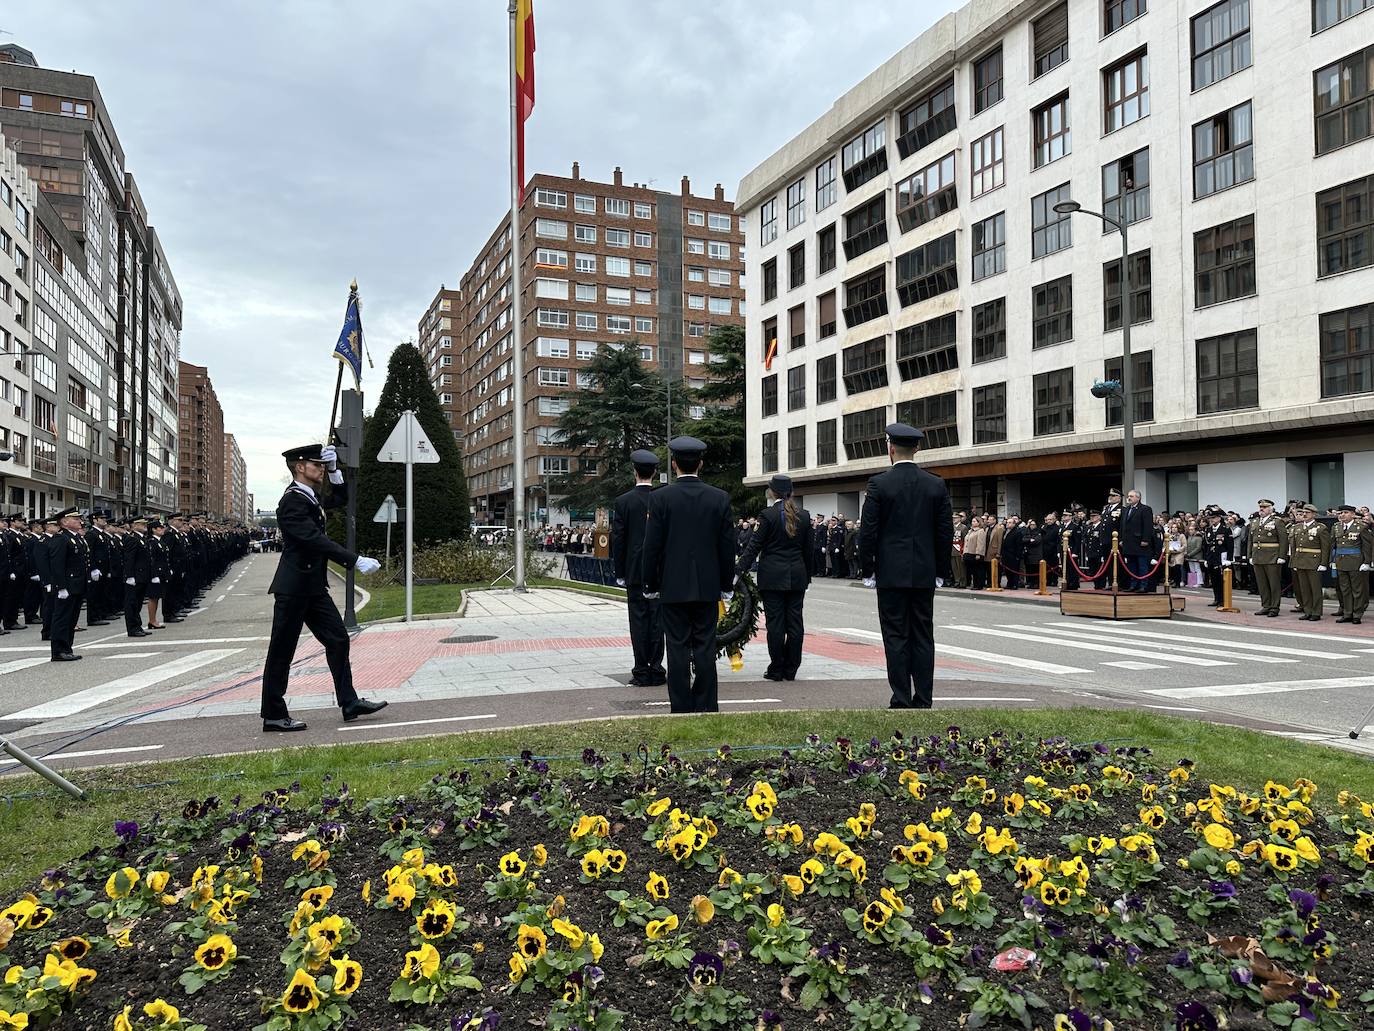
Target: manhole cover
468,639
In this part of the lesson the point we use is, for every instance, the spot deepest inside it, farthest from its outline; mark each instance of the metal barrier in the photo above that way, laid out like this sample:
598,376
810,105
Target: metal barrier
589,569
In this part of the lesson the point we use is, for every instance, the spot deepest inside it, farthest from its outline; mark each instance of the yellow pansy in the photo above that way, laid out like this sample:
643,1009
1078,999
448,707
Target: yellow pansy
656,929
1219,837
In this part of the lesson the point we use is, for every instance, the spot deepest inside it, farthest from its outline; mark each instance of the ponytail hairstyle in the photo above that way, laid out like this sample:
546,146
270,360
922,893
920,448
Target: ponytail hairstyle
791,515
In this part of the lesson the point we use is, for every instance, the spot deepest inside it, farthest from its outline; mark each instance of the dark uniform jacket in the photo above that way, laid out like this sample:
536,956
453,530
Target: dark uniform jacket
137,562
689,543
69,562
40,558
906,530
98,544
1013,555
628,519
1217,546
159,558
305,548
1137,529
785,563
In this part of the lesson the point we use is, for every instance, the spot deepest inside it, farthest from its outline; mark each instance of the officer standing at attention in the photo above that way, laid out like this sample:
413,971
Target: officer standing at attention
138,573
689,568
1217,545
70,568
629,518
1268,541
1352,553
301,587
42,553
1310,556
782,544
905,535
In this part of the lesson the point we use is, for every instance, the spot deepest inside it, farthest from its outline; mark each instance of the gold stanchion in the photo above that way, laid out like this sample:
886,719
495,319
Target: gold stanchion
1044,578
1115,559
996,576
1226,605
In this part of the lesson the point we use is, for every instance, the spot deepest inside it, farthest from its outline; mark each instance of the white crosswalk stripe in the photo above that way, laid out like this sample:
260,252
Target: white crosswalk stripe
1171,637
1137,667
1127,645
1090,646
80,701
1278,687
1054,669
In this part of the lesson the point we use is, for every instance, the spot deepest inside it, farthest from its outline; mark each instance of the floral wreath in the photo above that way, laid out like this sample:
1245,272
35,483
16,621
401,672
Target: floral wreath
740,620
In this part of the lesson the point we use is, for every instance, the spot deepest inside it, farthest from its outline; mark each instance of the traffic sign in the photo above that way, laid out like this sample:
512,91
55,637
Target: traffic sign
387,513
408,432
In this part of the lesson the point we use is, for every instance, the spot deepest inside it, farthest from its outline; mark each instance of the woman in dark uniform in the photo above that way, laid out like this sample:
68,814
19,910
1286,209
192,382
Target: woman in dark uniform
1032,551
783,544
160,561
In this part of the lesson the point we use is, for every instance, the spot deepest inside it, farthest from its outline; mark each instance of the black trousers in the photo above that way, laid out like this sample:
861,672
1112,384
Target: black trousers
782,611
134,595
33,602
46,610
63,627
906,618
1071,581
1218,583
689,630
321,615
13,596
646,635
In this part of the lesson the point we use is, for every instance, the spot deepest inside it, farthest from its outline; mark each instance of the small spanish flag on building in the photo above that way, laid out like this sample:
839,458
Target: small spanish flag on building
770,354
524,78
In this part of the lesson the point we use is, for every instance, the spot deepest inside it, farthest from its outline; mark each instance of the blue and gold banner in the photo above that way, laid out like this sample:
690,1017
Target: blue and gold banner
349,349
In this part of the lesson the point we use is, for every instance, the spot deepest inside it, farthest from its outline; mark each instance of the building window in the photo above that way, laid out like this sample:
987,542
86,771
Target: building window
696,302
1053,138
614,324
617,238
1347,351
696,218
1126,91
551,317
643,210
825,315
825,184
768,221
865,297
796,203
1221,42
545,198
1345,101
865,227
583,204
796,266
927,195
617,207
825,443
990,331
865,434
796,447
928,348
927,120
769,395
1053,402
1224,262
584,262
586,320
770,336
987,81
796,388
618,267
719,223
551,228
865,366
827,382
770,279
1116,13
718,276
719,305
990,413
586,292
717,251
937,416
865,156
1326,13
553,377
1227,373
643,239
1345,227
1052,313
1051,35
987,162
1223,151
770,451
796,322
1142,387
825,250
928,271
1126,188
990,246
1141,307
1050,231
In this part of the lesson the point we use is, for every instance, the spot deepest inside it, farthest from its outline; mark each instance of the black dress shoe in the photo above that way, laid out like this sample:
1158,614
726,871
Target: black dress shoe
66,657
99,622
1356,621
362,707
285,725
140,633
1344,619
173,619
773,676
16,626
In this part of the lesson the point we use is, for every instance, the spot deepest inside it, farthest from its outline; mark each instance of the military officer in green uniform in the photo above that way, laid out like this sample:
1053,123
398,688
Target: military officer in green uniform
1310,556
1268,543
1294,525
1352,553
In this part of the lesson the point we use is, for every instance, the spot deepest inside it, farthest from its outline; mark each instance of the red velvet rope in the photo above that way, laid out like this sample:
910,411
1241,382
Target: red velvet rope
1148,576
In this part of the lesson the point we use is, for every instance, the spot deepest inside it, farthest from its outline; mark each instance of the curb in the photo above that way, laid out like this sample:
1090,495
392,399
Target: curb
357,589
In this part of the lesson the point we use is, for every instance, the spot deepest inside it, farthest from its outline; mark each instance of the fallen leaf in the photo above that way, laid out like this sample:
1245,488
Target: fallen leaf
292,837
787,989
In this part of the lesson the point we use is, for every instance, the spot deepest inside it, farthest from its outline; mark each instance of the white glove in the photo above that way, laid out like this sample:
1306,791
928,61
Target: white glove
367,565
335,477
62,595
1283,561
157,579
727,596
870,581
939,581
47,588
34,578
1225,562
1364,567
329,457
619,582
1321,569
130,581
95,575
651,595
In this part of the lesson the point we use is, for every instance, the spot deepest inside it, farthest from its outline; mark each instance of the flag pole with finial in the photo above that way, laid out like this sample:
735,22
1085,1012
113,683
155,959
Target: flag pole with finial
351,312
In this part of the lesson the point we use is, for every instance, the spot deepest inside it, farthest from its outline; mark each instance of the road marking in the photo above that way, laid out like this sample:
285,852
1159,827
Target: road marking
732,701
1126,644
1088,646
16,665
134,655
1135,666
981,698
415,723
1172,708
1309,635
1366,651
86,755
219,599
1171,637
968,653
82,700
172,642
1277,687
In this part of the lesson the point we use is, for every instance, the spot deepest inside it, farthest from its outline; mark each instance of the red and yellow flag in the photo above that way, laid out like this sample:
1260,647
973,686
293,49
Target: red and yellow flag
770,354
524,79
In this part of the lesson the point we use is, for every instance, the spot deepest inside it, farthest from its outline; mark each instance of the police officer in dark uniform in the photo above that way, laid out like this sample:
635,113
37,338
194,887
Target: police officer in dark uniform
9,576
629,518
33,592
138,573
301,587
1217,553
689,567
98,544
1097,545
42,553
70,570
1072,537
905,535
782,544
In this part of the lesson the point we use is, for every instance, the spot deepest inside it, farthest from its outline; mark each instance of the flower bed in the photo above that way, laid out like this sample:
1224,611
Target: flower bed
931,883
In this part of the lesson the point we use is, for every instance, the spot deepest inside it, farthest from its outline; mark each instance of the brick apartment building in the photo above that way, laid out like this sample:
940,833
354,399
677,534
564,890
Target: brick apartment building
235,480
201,464
604,263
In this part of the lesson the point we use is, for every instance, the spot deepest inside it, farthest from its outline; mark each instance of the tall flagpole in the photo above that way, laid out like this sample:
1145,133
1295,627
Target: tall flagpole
516,187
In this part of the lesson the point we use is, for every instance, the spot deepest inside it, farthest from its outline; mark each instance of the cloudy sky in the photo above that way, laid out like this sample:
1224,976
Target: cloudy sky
284,148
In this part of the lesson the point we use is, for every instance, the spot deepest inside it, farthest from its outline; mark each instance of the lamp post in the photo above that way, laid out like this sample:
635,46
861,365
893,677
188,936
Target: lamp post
1072,207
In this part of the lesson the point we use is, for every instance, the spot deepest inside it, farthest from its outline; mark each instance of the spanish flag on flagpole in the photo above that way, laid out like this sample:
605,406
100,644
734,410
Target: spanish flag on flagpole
524,78
771,354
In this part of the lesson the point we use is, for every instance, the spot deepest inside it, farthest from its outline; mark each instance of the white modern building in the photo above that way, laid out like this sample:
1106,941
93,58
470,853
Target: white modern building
904,253
18,200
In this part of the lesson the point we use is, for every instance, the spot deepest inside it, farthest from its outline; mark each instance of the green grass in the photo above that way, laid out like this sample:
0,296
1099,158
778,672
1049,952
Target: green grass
40,828
390,599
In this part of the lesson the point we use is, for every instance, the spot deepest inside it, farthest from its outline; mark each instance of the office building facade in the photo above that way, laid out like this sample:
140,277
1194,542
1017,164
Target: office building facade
235,480
202,481
18,201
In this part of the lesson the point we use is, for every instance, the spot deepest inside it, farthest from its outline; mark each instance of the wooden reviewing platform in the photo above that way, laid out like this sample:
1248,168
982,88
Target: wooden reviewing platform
1119,605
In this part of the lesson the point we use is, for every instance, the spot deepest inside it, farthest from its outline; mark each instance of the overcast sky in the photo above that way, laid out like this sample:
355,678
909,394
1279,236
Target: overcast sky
283,148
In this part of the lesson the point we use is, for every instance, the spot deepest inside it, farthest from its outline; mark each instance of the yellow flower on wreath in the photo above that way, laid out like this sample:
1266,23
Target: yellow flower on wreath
421,964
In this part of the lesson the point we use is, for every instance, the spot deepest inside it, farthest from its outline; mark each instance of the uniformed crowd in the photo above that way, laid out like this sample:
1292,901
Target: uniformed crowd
50,568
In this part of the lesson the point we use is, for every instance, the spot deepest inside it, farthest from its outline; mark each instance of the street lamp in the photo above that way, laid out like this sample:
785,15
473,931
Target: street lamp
1072,207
